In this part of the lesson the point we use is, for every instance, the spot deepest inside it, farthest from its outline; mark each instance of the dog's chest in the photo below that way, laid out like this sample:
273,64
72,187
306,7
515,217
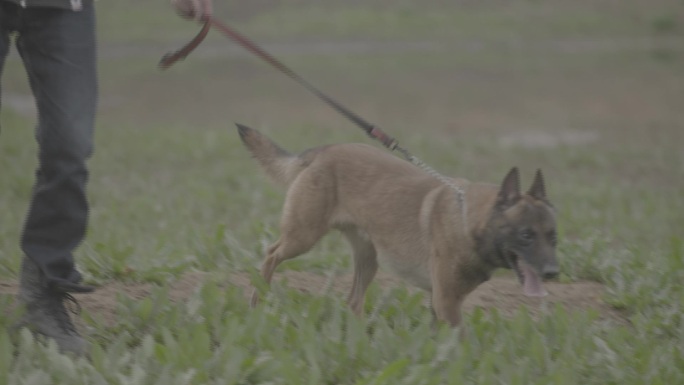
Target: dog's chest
412,268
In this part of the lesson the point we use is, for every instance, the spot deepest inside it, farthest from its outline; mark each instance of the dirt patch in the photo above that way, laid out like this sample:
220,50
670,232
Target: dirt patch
502,293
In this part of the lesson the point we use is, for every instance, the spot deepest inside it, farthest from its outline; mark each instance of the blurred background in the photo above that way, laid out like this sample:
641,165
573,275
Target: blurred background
591,91
570,68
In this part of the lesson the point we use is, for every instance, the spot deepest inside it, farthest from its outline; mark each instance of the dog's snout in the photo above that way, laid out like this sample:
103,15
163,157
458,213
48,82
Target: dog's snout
550,272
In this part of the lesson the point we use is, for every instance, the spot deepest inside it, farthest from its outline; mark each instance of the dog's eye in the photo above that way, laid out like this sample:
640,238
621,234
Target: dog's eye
526,235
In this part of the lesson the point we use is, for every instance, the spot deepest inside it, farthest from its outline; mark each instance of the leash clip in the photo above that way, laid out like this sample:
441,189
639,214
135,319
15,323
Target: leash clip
385,139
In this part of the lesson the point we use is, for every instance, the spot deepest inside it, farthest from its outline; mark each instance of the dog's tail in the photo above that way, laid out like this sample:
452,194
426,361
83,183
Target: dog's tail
281,166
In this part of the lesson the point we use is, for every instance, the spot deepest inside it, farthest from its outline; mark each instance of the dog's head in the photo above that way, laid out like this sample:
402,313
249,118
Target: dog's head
525,232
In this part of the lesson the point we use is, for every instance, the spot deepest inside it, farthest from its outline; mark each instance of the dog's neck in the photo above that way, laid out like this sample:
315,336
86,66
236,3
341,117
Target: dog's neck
489,248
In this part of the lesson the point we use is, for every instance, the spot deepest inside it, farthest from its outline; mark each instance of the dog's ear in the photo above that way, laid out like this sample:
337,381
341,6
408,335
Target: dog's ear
538,189
509,193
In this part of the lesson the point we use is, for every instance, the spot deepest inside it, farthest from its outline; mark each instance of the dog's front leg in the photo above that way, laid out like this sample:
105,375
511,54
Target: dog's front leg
447,293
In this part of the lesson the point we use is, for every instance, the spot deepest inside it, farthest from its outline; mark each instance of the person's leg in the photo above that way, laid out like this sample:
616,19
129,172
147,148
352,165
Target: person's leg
7,24
58,50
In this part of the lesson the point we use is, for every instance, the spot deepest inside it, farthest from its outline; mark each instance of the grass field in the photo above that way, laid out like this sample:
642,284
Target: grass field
591,93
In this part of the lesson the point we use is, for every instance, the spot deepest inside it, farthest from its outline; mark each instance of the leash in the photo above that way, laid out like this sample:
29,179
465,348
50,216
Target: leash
371,130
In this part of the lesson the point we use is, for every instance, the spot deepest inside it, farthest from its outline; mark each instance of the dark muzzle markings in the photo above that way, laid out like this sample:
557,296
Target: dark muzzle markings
525,227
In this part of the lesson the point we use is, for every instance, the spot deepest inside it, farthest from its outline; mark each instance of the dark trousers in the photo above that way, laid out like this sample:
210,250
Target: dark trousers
57,48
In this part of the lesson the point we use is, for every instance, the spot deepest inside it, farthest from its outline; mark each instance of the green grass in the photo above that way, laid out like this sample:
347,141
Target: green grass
173,191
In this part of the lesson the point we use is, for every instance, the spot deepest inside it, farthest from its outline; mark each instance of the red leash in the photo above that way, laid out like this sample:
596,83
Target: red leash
370,129
170,58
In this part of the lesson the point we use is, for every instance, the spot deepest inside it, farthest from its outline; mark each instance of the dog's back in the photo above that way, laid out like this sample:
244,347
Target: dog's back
353,161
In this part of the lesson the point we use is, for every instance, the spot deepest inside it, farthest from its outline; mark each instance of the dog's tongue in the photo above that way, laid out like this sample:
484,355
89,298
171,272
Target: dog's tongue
532,285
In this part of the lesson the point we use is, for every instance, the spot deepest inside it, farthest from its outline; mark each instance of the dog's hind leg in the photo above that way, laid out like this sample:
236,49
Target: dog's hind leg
365,267
306,219
283,249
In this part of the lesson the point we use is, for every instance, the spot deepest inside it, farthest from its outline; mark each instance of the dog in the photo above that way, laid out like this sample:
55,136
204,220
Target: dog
398,216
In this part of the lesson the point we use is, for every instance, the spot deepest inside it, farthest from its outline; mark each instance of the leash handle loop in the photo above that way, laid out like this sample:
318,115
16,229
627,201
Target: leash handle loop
170,58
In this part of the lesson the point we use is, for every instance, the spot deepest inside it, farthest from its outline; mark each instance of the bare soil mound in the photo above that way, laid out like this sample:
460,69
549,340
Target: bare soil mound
502,293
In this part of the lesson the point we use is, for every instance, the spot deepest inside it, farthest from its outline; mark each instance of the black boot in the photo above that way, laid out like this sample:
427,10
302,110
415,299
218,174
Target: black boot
46,313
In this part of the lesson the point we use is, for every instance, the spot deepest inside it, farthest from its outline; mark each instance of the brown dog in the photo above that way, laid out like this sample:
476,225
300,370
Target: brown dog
396,215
